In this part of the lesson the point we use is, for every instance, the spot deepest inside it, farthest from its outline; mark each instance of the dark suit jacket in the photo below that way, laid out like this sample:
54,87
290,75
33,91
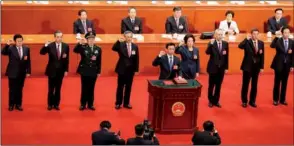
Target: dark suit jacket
165,72
217,60
205,138
87,66
125,63
273,26
126,24
281,55
171,25
251,56
79,28
54,63
17,67
104,137
189,63
141,141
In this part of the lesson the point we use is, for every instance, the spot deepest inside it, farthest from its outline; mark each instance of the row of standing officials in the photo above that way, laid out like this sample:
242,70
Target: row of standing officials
89,68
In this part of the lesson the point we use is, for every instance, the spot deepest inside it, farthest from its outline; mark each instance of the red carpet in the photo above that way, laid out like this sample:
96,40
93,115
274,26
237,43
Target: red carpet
35,125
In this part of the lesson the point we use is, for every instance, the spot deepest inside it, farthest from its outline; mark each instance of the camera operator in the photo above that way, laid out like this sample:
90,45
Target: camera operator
207,137
139,139
105,137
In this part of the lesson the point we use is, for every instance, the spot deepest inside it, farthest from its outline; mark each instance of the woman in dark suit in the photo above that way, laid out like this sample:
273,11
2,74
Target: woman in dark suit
89,68
190,57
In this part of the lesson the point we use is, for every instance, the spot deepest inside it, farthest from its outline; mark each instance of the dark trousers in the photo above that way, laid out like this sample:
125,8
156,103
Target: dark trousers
54,87
15,90
247,76
215,82
281,77
124,88
88,86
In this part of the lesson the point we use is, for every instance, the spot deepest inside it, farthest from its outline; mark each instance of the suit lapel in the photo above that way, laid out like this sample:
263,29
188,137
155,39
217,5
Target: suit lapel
283,45
15,52
125,49
129,23
252,46
166,63
54,50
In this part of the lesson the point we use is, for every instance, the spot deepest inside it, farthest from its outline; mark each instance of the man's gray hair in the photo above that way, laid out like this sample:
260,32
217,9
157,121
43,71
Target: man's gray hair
127,32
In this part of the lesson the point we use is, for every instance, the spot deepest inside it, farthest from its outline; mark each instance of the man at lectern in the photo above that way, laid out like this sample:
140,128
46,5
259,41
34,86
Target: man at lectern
169,64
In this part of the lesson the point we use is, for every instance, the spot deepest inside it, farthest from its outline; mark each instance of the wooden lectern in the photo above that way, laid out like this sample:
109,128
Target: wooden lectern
173,108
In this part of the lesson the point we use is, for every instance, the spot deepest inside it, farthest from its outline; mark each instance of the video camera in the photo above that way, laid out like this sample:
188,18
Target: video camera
148,131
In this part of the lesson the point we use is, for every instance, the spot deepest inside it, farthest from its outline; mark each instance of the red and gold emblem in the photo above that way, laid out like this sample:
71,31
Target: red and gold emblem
178,109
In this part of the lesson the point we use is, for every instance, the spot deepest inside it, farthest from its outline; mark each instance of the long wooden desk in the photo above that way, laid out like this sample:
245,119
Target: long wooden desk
20,17
149,49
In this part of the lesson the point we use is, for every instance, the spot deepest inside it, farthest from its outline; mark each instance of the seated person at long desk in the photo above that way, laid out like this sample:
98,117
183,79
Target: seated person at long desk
229,26
83,25
168,62
275,23
131,23
176,23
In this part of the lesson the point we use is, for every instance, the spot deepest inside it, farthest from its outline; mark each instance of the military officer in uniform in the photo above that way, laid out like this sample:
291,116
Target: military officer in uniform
89,68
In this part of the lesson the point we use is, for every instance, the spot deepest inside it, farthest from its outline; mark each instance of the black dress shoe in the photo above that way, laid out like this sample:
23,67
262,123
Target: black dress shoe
117,107
57,108
253,105
82,108
244,105
275,103
284,103
218,105
210,105
10,108
91,108
128,106
49,108
19,108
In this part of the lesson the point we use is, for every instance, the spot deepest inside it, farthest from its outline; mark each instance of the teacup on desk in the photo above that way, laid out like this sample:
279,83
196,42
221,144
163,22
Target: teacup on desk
269,34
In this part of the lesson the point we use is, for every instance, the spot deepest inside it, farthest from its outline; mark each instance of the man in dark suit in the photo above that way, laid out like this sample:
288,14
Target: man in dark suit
56,69
18,68
89,68
176,23
252,64
217,66
131,23
169,64
105,137
282,63
83,25
209,136
139,140
127,65
277,22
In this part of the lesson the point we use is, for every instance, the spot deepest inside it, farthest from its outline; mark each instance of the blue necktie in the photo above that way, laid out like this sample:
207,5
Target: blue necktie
286,49
286,45
170,63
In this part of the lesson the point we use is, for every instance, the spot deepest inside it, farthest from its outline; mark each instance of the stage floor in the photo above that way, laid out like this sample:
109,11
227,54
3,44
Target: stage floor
35,125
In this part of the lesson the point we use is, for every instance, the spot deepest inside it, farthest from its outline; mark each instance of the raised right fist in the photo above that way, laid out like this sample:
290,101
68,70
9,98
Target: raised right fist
9,42
248,36
121,39
161,53
212,41
181,43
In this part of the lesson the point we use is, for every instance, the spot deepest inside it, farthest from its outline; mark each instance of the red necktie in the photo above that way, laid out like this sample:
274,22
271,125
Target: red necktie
19,52
129,50
58,52
255,47
220,47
